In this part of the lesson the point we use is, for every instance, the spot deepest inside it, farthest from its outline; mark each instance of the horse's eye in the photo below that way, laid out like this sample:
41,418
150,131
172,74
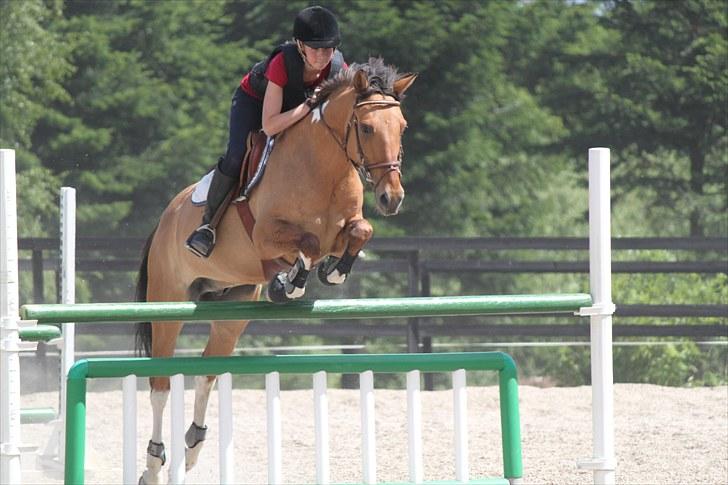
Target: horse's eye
366,129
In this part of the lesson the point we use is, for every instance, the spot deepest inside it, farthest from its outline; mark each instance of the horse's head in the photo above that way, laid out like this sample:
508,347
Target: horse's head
372,139
379,125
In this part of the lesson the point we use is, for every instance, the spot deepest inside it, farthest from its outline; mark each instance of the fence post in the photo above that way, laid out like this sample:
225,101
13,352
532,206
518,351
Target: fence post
9,332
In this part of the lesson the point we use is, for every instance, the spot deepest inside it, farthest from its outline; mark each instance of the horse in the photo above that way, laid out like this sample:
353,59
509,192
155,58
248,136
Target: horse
308,212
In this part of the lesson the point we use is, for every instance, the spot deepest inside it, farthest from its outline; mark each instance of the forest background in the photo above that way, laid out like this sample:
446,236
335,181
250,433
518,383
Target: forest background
127,101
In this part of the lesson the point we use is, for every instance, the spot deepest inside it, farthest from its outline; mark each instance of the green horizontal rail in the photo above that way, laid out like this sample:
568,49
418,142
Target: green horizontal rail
317,309
289,364
37,415
292,364
39,333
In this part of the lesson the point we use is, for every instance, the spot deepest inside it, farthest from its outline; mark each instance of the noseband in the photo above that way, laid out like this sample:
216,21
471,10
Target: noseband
363,167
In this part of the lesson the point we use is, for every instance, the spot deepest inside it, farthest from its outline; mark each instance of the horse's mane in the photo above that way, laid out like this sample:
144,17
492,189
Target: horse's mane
381,79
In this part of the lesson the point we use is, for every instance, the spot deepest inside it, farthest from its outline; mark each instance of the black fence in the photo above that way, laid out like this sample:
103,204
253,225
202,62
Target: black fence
413,256
419,260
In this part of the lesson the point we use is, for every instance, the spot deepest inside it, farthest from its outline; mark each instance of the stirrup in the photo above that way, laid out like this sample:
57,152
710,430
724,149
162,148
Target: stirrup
196,251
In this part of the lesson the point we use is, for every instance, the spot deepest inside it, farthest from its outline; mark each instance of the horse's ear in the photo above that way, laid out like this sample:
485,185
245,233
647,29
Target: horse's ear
361,83
403,83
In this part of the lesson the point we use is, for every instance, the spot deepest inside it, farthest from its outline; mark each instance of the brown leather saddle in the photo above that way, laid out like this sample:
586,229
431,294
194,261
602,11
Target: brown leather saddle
249,177
255,146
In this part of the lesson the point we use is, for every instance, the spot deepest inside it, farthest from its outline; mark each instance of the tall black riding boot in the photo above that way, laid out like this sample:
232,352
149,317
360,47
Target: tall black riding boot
202,241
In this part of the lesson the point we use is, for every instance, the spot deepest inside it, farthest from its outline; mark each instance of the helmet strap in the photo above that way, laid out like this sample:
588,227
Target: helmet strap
299,44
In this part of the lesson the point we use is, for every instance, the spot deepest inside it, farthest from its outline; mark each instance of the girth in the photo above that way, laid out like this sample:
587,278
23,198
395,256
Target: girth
271,267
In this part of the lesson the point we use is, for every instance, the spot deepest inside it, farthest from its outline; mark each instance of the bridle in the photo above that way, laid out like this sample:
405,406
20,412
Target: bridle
363,167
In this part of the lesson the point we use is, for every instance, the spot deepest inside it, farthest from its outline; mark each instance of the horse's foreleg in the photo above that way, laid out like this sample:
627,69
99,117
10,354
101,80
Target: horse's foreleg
334,271
163,343
276,237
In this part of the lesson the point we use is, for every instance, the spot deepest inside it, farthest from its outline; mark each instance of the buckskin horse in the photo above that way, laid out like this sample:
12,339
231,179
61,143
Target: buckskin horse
307,212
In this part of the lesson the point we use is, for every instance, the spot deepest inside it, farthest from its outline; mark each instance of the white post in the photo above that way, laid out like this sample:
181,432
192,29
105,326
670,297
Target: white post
177,435
9,317
600,314
460,417
414,426
368,439
225,398
273,400
129,420
321,427
68,295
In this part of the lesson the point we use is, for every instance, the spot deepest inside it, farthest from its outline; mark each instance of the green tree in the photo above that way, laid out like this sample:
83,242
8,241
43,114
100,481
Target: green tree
470,165
33,69
148,106
650,80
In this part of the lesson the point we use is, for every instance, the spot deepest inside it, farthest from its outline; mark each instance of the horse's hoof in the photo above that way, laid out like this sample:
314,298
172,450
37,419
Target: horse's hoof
191,455
277,289
329,274
194,439
150,478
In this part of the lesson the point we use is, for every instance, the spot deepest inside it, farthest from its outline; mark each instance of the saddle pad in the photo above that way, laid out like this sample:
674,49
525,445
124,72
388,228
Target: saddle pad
199,196
251,172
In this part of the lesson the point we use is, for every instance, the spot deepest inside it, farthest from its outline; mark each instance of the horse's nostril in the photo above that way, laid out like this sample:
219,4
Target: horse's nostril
384,199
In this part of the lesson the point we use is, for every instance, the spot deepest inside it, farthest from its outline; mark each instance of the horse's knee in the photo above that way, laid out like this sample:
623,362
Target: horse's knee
360,231
310,245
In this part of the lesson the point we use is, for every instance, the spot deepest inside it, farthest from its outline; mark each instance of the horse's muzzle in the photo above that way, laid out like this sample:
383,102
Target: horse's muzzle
389,203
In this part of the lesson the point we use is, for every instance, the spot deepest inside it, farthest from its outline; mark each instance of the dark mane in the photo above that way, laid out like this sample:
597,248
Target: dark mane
381,79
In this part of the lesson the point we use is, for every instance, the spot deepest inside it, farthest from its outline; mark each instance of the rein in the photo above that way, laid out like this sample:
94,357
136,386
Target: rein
363,167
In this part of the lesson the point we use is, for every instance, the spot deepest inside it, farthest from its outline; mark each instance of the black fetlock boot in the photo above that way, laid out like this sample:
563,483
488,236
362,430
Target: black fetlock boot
202,240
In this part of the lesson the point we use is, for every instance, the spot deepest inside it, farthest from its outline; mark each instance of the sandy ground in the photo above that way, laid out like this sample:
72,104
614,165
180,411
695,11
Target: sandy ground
664,435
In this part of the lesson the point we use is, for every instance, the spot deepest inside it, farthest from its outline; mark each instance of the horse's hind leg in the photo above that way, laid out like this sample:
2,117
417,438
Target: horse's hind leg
223,337
163,343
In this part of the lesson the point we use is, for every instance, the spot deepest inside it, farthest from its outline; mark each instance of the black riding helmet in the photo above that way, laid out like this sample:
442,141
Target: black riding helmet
316,27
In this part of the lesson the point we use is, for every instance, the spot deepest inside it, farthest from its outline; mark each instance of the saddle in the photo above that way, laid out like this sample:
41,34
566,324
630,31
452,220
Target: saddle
259,147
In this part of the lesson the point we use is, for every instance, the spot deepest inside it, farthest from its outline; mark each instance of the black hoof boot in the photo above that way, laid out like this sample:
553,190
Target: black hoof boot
325,268
202,241
334,271
277,289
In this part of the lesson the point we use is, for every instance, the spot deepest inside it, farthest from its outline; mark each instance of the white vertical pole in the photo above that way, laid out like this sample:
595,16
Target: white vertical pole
460,416
68,295
9,316
273,399
321,426
129,423
414,426
177,436
600,277
225,397
368,438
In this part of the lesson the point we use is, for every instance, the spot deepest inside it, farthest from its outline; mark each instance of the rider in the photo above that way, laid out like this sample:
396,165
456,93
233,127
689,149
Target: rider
275,94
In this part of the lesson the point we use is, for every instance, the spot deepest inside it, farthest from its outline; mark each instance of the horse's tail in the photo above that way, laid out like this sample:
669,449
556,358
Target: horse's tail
143,336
